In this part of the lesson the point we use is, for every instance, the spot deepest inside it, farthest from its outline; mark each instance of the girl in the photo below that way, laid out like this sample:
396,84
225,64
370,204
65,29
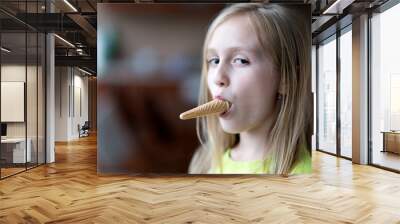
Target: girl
257,57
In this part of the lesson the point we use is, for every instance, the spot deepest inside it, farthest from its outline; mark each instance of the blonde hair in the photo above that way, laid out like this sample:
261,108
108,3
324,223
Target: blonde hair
289,45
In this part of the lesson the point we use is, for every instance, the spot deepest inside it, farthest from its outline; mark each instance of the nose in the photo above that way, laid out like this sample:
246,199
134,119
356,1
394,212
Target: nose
221,78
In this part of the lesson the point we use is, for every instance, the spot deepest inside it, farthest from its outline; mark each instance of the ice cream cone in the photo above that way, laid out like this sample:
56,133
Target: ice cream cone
213,107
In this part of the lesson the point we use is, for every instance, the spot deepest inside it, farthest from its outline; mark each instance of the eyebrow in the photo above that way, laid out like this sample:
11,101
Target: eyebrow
234,49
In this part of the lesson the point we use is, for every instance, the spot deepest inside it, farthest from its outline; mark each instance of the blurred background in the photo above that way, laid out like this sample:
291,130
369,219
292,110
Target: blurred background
149,65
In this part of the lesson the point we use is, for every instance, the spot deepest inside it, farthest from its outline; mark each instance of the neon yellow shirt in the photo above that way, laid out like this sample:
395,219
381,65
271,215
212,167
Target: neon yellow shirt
229,166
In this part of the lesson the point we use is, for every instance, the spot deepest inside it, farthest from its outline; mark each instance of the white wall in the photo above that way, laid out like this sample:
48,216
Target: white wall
71,93
12,101
314,91
360,90
50,94
13,73
79,103
33,126
61,103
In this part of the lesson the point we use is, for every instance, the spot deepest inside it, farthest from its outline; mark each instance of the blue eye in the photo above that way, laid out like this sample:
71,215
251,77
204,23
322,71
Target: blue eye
241,61
213,61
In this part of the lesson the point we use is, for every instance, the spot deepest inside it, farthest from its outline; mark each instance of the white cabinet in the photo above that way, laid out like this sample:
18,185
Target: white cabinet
18,152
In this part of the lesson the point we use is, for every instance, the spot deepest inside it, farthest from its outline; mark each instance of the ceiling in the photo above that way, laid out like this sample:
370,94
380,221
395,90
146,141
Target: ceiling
76,22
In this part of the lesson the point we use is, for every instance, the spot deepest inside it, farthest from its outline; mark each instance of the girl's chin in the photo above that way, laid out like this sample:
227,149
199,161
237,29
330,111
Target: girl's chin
229,127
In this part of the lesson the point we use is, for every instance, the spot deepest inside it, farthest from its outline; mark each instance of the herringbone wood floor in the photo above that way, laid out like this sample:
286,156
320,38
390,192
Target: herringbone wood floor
70,191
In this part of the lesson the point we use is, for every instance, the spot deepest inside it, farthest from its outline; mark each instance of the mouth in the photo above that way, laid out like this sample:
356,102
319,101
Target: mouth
226,113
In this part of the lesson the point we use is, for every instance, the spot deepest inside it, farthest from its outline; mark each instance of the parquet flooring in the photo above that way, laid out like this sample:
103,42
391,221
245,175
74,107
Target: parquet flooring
10,171
387,159
70,191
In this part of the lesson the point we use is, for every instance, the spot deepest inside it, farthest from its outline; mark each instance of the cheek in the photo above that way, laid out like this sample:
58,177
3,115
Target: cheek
257,86
210,87
257,92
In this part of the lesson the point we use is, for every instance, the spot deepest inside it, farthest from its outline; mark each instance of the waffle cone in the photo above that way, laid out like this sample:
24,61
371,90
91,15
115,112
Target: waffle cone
213,107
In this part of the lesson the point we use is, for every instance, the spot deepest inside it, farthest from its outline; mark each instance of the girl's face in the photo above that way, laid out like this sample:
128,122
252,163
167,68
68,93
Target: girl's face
240,72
